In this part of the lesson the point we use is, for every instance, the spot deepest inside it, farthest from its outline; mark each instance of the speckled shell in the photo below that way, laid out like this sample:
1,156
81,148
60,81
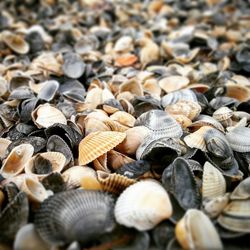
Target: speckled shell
97,143
143,205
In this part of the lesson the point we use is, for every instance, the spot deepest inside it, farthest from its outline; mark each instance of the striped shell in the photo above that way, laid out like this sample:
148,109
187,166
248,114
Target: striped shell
213,182
222,114
97,143
75,215
143,205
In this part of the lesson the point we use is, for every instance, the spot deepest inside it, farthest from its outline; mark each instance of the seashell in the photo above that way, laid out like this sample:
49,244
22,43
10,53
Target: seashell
213,182
14,164
15,42
49,90
14,215
182,120
124,44
241,192
101,163
19,81
238,139
21,93
205,120
200,87
133,86
89,215
97,143
237,91
111,106
28,238
134,137
196,139
117,159
4,143
124,118
143,205
43,164
54,183
188,108
223,115
160,122
94,125
115,126
126,60
127,106
236,216
46,115
173,83
196,231
113,183
175,96
152,87
35,191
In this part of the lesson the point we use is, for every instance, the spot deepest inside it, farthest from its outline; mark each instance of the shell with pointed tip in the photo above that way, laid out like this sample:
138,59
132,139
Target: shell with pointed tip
236,216
239,139
46,115
28,238
113,183
56,159
195,231
97,143
173,83
17,158
213,182
188,108
34,189
75,215
124,118
143,205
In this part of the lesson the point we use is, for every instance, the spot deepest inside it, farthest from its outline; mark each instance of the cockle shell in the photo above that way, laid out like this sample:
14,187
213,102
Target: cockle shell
173,83
143,205
97,143
113,183
15,162
56,159
75,215
46,115
213,182
196,231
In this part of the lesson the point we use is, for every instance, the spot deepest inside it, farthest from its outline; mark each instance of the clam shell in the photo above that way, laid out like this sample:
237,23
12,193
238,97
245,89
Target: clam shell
237,91
46,115
123,44
173,83
94,125
143,205
97,143
213,182
115,126
124,118
236,216
49,90
101,163
4,143
34,189
182,120
239,139
222,114
113,183
14,164
75,215
117,159
196,231
242,191
56,159
133,86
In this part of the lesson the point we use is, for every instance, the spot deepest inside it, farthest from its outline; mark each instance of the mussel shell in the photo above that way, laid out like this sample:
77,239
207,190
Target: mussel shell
26,108
75,215
48,91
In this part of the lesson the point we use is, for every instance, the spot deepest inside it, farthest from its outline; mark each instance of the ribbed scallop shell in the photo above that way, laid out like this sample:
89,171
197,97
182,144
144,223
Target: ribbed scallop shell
113,183
196,139
213,182
56,159
159,122
223,114
75,215
17,158
236,216
46,115
239,139
143,205
97,143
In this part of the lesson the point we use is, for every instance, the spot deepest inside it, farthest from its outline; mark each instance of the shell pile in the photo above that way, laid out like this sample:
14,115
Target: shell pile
124,124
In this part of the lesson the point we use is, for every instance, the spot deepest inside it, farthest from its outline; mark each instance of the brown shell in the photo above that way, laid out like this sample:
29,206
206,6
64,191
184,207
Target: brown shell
117,159
133,86
240,92
98,143
115,126
172,83
114,183
94,125
182,120
123,118
101,163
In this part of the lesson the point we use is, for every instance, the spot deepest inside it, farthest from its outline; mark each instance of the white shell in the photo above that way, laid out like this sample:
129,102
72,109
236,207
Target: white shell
143,205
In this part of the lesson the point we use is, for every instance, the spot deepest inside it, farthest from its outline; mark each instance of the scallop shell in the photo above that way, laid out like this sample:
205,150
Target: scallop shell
113,183
213,182
239,139
14,164
46,115
97,143
196,231
56,159
173,83
143,205
4,143
124,118
236,216
188,108
75,215
196,139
